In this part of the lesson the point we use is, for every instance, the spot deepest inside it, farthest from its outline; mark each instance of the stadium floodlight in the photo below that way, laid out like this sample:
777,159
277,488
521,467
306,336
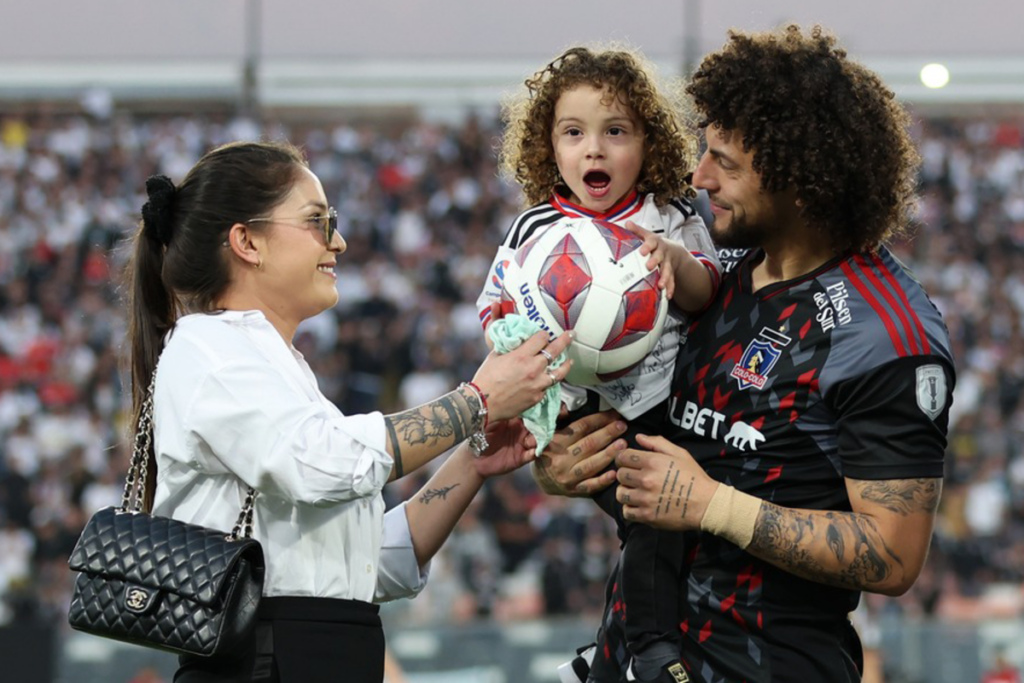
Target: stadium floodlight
934,75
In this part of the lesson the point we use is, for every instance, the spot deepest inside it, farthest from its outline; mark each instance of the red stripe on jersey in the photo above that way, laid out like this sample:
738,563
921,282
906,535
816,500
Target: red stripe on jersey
786,312
629,205
728,603
705,632
889,299
744,575
721,400
875,304
787,402
756,579
806,377
773,474
727,300
700,374
891,277
805,329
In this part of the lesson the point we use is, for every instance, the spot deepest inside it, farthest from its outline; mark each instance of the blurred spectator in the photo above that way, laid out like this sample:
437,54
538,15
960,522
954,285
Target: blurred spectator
1002,671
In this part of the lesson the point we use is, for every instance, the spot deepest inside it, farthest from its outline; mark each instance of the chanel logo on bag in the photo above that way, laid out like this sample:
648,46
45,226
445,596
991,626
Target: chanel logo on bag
137,599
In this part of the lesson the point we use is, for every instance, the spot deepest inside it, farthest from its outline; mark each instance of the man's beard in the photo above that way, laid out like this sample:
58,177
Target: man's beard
739,235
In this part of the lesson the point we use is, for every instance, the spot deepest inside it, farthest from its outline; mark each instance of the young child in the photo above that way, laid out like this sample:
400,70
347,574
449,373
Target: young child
594,136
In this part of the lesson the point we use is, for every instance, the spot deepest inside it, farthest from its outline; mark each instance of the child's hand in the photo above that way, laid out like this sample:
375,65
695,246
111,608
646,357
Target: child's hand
662,254
676,263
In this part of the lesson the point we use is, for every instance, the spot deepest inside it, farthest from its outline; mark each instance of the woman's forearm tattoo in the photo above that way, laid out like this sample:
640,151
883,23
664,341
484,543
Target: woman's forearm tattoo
444,419
396,448
431,494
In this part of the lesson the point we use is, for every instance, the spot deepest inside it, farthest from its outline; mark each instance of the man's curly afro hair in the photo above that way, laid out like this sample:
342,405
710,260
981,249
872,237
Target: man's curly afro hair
819,123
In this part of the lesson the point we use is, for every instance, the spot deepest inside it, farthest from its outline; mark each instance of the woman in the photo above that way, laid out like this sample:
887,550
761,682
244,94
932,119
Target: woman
225,267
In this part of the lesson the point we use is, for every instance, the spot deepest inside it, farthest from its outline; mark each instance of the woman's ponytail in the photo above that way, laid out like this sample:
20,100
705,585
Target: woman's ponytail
152,306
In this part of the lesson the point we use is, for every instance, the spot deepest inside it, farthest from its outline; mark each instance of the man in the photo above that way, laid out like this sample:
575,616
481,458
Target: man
803,444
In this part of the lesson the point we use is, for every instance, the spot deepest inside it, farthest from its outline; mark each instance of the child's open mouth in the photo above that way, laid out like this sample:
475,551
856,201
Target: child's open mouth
597,182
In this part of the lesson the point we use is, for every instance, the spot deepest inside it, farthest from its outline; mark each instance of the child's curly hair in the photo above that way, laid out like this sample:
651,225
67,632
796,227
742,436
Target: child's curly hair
819,123
670,151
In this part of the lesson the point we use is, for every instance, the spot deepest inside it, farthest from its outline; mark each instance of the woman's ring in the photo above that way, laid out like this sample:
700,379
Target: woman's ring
544,352
552,377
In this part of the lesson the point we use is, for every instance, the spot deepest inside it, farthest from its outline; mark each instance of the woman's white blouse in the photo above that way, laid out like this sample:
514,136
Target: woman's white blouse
235,406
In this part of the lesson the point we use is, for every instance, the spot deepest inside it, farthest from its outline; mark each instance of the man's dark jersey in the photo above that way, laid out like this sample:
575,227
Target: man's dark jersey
844,372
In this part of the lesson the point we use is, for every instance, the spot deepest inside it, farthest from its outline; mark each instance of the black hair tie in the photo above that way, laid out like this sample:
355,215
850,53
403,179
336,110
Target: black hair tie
156,213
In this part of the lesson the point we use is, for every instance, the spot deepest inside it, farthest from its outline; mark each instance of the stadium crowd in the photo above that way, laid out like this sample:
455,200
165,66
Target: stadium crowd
422,208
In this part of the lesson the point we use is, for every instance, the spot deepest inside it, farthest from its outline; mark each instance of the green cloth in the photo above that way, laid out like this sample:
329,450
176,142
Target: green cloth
507,334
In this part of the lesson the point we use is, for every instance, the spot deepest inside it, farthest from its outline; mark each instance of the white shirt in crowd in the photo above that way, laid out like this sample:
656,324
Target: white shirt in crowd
235,406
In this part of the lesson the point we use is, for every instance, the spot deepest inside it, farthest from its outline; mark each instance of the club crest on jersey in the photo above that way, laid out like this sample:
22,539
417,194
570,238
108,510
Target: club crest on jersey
759,358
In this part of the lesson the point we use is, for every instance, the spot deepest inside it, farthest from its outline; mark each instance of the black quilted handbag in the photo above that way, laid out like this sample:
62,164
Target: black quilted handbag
160,582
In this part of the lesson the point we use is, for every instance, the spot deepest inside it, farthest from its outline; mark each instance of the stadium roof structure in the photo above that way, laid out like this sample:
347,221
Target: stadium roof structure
445,54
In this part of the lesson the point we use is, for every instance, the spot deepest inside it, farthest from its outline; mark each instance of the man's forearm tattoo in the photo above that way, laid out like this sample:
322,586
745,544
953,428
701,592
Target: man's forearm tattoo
431,494
904,496
792,540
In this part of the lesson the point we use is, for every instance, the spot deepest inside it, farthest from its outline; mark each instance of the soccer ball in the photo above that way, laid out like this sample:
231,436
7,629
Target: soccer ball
589,276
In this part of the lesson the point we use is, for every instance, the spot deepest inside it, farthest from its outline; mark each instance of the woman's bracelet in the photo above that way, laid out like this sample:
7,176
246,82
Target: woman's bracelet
483,400
478,440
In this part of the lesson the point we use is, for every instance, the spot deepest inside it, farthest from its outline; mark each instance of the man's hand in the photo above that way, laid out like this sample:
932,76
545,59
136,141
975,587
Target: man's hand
663,487
574,463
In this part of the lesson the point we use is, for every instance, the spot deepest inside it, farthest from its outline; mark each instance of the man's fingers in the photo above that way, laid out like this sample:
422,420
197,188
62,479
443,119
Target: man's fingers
600,439
631,459
660,444
590,423
591,486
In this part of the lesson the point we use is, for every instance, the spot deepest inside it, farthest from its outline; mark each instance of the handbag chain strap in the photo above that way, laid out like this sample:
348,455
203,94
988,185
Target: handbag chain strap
138,471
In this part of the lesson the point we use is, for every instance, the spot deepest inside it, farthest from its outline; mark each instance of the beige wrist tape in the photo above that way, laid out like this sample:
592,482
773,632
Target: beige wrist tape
731,514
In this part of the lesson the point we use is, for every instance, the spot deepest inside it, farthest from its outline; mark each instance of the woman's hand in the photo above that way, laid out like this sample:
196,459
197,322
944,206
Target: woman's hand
574,463
519,379
507,448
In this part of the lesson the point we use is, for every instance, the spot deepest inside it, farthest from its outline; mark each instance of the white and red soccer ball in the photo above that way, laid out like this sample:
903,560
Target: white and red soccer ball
589,276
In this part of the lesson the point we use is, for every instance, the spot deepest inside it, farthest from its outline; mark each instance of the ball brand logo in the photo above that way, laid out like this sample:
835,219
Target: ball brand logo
531,309
137,599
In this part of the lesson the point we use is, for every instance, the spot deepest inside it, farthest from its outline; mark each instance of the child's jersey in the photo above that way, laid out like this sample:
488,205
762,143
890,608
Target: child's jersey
647,384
